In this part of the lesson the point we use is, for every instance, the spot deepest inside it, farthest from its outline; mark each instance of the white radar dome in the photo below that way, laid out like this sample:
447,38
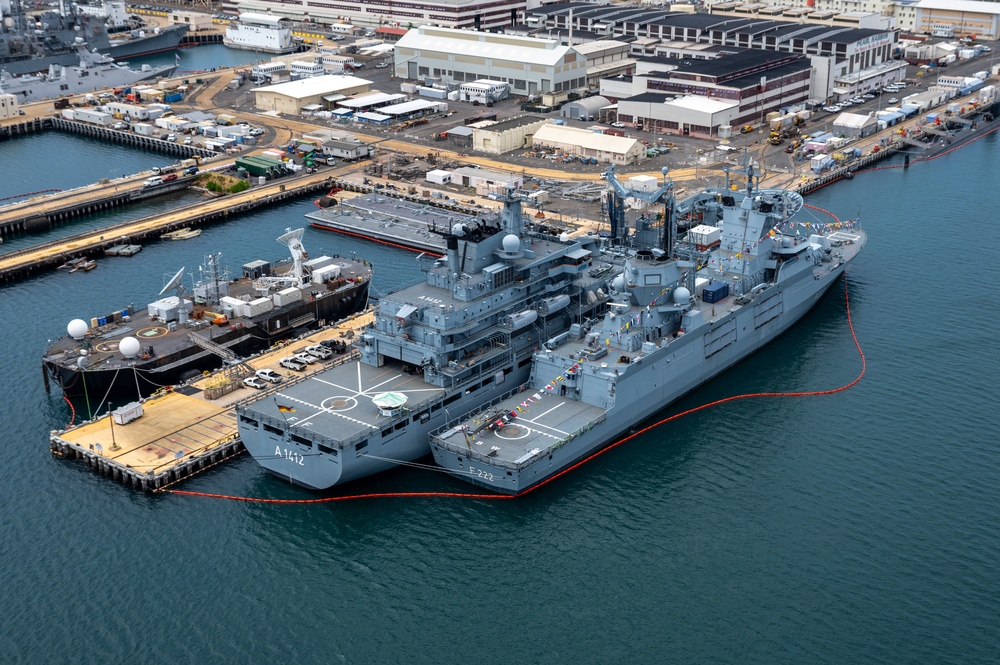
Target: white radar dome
458,229
563,237
129,347
77,328
786,242
511,244
618,283
681,296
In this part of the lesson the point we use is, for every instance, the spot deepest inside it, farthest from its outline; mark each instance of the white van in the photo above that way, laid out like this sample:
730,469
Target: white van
153,182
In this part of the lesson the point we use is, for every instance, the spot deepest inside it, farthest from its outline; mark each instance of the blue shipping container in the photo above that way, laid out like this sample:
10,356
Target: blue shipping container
715,292
102,320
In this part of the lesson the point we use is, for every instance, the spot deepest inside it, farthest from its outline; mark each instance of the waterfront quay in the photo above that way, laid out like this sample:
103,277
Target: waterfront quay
189,428
17,265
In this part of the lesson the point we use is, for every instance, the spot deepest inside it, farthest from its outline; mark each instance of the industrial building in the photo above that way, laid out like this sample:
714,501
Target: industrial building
473,14
485,181
506,136
588,108
292,96
606,148
855,125
8,106
530,66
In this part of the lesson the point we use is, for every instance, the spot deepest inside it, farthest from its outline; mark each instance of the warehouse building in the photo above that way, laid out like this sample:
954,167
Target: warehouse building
606,148
588,108
472,14
291,97
506,136
530,66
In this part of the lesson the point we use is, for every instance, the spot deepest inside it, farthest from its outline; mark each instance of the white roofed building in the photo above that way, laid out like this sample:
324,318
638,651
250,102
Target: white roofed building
531,66
292,96
606,148
473,14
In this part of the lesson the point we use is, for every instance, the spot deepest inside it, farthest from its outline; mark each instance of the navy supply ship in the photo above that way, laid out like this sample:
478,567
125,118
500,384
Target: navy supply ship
461,337
178,338
93,71
680,313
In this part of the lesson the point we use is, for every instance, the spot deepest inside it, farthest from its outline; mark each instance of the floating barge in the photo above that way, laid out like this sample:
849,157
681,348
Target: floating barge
123,250
158,441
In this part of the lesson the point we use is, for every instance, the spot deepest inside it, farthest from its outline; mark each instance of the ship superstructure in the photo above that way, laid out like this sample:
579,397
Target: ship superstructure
462,336
223,320
680,312
32,43
260,32
93,71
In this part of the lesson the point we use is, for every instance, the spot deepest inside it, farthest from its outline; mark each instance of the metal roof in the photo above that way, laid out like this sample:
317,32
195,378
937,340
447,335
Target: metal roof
584,138
317,85
527,50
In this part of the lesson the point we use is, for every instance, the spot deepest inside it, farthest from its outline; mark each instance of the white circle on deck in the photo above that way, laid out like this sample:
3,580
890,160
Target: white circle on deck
339,403
513,432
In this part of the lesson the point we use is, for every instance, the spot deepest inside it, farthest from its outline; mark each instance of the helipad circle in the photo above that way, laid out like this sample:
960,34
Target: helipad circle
339,403
514,432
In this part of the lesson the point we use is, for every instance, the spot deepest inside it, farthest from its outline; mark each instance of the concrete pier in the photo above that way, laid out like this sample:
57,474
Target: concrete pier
189,429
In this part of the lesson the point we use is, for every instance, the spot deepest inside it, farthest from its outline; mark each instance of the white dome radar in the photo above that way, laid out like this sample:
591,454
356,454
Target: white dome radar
681,296
77,328
129,347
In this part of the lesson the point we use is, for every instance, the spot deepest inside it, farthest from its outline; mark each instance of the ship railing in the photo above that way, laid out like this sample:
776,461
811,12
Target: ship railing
469,452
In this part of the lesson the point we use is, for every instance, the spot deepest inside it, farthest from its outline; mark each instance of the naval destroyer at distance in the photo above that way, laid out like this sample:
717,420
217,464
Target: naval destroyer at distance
679,314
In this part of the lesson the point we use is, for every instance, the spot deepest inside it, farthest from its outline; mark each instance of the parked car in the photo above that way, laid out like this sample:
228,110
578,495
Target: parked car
187,140
191,170
832,109
254,382
269,375
293,364
306,358
868,95
319,351
857,100
893,100
619,125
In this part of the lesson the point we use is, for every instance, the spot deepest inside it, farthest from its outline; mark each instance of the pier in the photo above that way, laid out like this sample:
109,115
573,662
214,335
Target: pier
20,264
190,428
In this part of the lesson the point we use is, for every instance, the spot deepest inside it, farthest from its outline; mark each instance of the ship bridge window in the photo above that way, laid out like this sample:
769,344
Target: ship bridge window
271,429
386,432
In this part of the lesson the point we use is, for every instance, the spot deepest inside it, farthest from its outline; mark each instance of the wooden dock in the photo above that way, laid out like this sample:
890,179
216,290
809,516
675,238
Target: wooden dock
190,428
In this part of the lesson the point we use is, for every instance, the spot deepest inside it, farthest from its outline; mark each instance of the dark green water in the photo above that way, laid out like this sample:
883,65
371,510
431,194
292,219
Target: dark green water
858,527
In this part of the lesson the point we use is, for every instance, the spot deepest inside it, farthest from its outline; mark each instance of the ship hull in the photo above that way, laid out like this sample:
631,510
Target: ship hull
669,375
147,376
309,465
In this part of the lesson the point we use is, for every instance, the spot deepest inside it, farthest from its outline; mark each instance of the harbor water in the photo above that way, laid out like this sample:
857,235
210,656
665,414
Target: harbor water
854,527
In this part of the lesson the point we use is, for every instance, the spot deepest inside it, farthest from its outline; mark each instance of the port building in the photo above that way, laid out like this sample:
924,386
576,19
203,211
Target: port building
607,149
472,14
530,66
293,96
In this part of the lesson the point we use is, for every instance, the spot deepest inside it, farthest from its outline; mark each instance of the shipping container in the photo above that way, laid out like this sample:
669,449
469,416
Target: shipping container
714,293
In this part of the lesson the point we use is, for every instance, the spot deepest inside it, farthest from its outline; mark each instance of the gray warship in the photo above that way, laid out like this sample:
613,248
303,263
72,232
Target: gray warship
679,314
461,337
33,43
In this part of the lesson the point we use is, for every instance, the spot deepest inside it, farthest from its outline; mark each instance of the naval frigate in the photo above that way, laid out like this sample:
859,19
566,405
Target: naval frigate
464,335
679,314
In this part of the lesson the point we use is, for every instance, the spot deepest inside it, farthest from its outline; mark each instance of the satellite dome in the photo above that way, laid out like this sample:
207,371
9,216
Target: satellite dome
77,328
458,229
129,347
511,244
618,283
786,242
681,296
563,237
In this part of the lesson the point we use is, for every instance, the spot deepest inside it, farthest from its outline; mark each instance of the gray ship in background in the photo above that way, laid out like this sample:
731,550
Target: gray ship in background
32,43
92,71
463,336
679,314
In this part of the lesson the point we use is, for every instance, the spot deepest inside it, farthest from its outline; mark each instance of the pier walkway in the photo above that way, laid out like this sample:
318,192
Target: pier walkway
185,431
17,265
